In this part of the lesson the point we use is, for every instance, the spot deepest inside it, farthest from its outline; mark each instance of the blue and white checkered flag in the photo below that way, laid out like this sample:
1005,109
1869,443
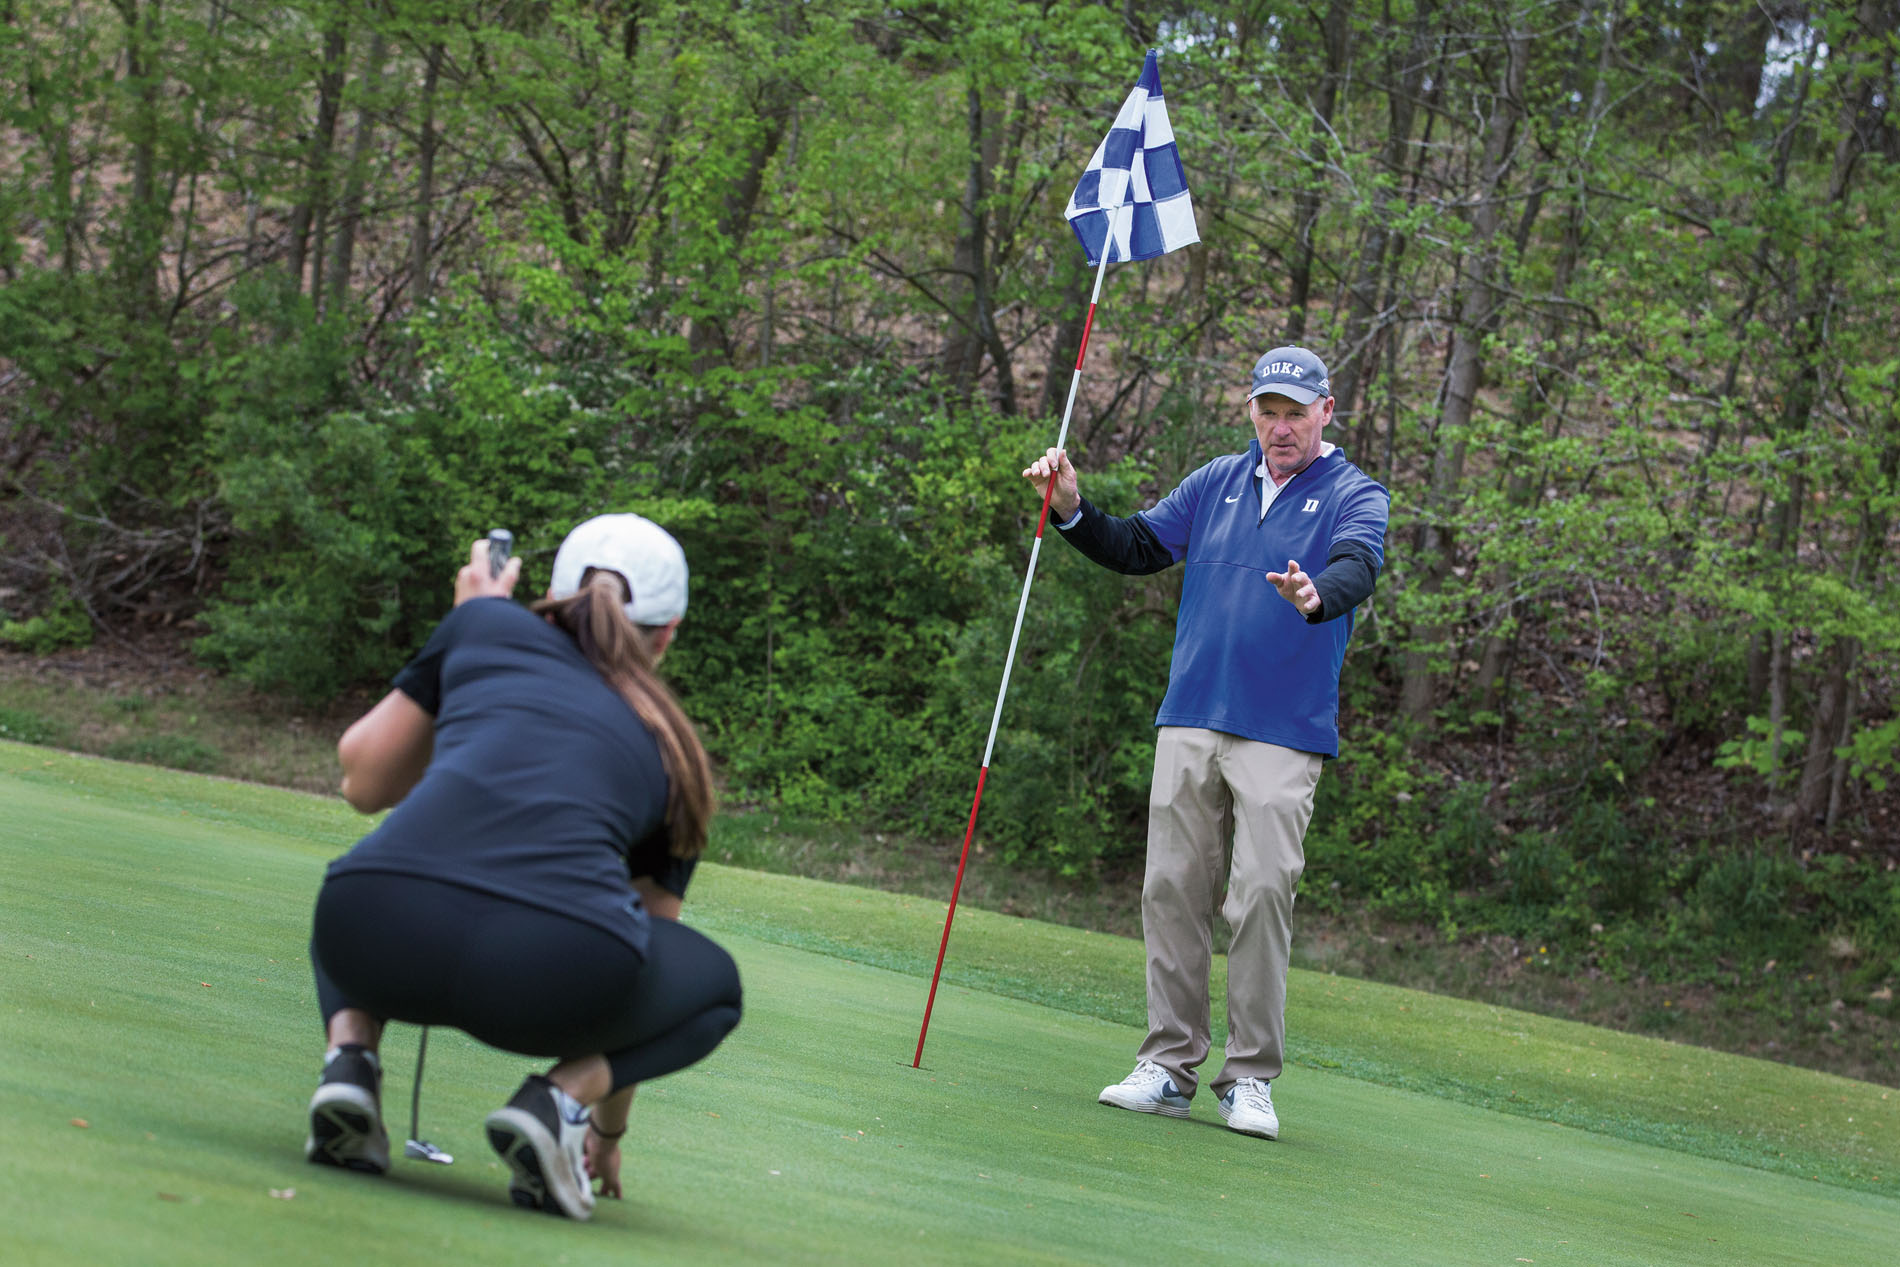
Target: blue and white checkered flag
1135,166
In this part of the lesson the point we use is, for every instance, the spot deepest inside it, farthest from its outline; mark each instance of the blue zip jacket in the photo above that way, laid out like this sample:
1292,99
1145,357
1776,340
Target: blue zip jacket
1246,662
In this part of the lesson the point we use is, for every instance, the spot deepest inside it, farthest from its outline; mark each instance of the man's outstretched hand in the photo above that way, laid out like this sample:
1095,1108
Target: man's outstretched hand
1296,587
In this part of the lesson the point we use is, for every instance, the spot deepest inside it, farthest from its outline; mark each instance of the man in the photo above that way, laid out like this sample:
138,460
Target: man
1250,713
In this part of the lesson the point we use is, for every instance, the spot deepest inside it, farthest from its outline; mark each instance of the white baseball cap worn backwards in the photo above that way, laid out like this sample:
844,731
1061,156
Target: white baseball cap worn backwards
644,554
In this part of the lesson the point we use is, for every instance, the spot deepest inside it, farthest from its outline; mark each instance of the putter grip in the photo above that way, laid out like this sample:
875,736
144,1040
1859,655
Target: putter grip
501,543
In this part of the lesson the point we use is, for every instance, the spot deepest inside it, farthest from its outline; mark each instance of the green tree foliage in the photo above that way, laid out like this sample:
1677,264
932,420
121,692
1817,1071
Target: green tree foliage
300,298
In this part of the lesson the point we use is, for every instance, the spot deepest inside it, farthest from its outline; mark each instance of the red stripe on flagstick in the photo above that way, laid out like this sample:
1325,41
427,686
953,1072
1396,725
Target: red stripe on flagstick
968,833
1047,493
1088,323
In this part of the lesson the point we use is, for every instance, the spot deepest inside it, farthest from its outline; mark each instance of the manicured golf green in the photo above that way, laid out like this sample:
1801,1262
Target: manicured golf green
159,1042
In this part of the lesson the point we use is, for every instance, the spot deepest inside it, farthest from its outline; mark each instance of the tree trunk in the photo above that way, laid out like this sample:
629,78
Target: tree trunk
182,296
1759,273
1553,362
614,194
310,211
1726,46
1819,792
1861,115
61,231
1481,303
420,234
963,348
774,111
138,258
1405,76
1777,697
1757,660
1837,775
342,256
1336,35
1392,331
974,334
1827,728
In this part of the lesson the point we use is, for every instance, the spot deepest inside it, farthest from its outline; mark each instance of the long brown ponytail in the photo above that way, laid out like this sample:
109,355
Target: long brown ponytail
615,646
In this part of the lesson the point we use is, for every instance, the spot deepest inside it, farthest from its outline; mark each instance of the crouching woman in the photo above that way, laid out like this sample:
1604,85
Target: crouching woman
550,798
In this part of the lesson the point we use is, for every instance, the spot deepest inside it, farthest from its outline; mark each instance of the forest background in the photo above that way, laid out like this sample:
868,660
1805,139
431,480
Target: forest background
298,298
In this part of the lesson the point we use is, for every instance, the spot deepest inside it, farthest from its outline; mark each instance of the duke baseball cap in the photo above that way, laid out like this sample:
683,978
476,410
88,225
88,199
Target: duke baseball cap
644,554
1291,372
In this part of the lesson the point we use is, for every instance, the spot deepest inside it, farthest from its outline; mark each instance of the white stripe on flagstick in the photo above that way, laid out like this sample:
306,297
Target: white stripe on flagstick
1009,657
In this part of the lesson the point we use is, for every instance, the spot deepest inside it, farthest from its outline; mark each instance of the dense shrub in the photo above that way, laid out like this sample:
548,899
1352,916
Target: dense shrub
181,752
22,726
102,426
350,509
64,625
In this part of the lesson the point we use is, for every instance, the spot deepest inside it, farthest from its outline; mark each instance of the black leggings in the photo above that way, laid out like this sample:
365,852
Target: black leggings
518,977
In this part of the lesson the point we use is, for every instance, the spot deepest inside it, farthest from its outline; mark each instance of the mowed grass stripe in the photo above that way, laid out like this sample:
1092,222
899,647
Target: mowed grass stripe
994,1150
1753,1112
1749,1111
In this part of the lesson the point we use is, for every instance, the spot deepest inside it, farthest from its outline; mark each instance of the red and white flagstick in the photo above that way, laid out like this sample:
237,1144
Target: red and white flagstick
1009,660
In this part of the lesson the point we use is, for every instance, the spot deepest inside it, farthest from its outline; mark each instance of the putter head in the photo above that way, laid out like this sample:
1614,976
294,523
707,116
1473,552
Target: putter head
423,1150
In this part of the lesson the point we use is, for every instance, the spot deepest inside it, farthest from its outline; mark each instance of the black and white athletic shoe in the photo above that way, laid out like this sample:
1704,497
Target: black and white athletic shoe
346,1117
541,1134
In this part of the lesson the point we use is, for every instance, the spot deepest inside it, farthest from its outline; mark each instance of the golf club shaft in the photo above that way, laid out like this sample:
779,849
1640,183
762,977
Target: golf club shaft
415,1097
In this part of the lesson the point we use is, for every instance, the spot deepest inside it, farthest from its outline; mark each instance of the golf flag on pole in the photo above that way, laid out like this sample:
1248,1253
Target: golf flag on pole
1134,198
1136,166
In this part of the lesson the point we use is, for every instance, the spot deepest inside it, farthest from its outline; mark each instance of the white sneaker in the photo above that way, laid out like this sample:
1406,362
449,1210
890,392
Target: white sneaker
541,1134
1149,1089
1248,1108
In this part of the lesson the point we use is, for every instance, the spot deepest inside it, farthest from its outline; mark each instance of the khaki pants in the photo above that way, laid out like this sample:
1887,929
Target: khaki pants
1210,787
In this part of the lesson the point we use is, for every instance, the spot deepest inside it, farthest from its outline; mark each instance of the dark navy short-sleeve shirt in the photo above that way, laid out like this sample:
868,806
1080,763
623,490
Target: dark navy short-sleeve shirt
545,787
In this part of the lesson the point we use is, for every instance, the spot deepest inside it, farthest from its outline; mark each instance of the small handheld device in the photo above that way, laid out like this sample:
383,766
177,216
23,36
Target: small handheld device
501,543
